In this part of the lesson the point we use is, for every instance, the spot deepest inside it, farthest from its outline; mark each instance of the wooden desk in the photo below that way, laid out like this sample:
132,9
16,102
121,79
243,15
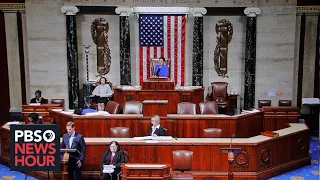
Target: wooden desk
42,110
174,97
155,107
145,171
261,157
160,85
279,117
181,126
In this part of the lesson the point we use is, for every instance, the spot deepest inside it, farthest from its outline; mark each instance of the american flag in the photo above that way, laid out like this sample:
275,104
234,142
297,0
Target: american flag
163,35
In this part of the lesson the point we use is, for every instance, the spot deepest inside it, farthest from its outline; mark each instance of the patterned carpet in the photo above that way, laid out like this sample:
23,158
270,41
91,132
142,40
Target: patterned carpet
310,172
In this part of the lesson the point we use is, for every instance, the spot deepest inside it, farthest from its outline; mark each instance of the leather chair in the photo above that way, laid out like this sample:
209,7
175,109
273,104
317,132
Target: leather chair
264,103
119,132
186,108
58,101
132,107
285,102
220,94
112,107
208,107
211,133
182,161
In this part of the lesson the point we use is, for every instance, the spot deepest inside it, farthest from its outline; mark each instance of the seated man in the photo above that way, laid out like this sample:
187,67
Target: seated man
161,69
157,129
38,98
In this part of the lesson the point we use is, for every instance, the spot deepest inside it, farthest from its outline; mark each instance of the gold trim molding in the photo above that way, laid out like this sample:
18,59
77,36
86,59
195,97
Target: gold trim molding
308,9
12,6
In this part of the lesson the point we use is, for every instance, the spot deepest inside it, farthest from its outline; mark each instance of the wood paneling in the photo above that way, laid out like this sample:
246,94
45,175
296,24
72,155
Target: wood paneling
159,85
279,117
260,159
174,97
181,126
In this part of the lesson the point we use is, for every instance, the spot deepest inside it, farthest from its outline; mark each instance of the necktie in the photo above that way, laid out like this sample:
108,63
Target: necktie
70,141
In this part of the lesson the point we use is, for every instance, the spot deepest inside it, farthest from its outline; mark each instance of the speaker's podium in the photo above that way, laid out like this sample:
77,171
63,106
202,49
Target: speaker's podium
145,171
159,83
65,160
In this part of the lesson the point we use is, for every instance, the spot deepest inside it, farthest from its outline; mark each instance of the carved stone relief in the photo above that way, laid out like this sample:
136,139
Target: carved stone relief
99,32
224,31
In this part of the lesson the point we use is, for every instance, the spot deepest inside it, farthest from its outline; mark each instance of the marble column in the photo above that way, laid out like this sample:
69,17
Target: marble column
250,57
72,55
125,63
197,54
25,52
13,56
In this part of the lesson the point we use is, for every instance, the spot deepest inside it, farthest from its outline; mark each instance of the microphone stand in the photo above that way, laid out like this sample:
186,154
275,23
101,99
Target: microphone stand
156,89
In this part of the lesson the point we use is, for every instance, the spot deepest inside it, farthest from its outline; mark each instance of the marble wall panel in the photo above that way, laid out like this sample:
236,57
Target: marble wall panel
309,56
13,61
46,35
275,52
236,52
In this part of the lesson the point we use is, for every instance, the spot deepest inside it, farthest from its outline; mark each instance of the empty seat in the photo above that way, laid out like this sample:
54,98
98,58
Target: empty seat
285,102
132,107
262,103
182,161
208,107
119,132
112,107
186,108
211,133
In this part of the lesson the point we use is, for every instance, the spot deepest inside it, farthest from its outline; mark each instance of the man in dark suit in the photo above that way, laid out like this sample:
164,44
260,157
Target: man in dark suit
74,140
157,129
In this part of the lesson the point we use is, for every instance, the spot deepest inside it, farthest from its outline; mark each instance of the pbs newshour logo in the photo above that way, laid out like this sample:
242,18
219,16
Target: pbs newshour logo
35,148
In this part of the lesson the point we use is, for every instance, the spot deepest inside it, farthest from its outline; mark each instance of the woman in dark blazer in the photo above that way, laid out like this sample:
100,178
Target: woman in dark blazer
113,156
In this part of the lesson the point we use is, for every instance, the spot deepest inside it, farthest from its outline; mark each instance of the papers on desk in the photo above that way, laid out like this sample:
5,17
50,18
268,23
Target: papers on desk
253,111
99,113
310,101
153,139
108,169
145,165
35,104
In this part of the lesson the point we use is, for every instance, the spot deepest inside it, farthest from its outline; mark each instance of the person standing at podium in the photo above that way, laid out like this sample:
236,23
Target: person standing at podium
113,156
74,140
157,129
161,69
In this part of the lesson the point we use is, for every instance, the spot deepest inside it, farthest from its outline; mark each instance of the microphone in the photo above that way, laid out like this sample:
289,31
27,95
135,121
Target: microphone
233,135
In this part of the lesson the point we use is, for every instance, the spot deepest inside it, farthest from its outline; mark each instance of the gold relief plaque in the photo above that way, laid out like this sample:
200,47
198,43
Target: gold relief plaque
224,31
12,6
99,33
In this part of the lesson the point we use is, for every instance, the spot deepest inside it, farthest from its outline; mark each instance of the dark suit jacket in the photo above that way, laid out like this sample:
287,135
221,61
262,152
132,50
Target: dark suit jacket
119,158
159,132
43,101
77,143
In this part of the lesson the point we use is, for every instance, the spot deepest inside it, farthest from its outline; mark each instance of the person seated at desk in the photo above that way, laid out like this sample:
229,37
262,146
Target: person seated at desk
157,129
34,118
103,92
38,98
161,69
113,156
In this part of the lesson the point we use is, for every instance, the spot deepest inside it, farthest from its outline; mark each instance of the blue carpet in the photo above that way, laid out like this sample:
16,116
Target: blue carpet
310,172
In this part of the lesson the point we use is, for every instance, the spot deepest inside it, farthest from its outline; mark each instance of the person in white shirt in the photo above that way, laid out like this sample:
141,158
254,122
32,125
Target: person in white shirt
157,129
103,91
